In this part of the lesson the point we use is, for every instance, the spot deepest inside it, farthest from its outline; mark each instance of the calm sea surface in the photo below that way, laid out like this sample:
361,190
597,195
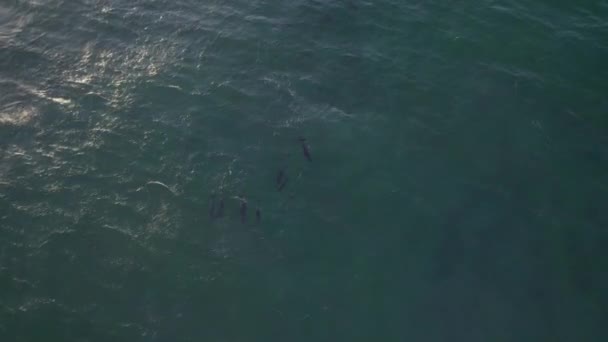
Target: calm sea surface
457,188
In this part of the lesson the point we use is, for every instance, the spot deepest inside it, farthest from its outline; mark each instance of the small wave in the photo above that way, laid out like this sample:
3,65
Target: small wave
17,116
21,87
58,100
11,23
116,72
36,303
162,185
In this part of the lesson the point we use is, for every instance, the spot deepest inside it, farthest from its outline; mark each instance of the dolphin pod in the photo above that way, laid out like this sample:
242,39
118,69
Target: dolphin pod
216,205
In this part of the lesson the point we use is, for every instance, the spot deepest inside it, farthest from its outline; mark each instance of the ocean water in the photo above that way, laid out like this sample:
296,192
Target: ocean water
457,191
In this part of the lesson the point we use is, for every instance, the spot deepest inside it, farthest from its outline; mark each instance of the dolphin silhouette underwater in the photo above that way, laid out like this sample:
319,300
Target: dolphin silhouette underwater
305,149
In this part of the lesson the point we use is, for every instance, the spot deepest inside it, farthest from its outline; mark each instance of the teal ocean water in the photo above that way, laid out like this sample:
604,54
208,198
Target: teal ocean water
457,188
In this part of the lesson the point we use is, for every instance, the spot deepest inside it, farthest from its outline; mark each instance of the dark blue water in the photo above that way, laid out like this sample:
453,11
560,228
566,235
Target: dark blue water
456,191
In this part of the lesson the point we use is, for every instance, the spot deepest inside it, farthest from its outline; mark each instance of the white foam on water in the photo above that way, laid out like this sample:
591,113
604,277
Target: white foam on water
17,116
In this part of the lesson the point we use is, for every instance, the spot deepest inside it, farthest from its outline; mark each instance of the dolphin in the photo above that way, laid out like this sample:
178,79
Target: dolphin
280,176
282,185
212,208
305,149
220,210
243,211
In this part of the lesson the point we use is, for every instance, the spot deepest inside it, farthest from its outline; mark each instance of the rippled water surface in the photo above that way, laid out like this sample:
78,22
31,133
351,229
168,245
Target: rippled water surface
457,188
